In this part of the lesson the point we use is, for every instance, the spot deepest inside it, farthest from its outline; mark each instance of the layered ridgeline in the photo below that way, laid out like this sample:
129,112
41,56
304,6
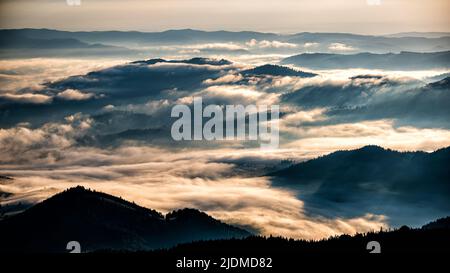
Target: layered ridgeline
388,61
101,221
408,187
47,42
182,36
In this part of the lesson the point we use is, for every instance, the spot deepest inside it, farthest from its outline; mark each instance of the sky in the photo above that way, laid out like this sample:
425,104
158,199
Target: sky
284,16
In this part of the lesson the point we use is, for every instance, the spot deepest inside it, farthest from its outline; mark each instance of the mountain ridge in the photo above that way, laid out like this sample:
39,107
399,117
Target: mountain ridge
363,42
102,221
406,60
431,237
406,187
277,70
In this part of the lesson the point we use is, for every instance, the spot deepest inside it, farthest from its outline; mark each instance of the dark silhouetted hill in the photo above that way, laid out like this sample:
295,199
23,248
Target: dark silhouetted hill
442,84
373,166
431,238
409,188
442,223
277,70
101,221
197,60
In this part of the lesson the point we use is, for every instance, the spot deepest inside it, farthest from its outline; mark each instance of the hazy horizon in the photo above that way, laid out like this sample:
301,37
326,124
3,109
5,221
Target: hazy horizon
229,30
374,17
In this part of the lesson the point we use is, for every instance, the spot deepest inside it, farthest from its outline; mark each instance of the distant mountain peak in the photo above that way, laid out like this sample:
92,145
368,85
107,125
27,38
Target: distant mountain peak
442,84
373,148
277,70
186,212
79,198
210,61
196,60
78,189
367,76
150,61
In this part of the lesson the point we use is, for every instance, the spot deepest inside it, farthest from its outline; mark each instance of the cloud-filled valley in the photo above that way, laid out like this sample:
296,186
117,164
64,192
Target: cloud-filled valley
105,123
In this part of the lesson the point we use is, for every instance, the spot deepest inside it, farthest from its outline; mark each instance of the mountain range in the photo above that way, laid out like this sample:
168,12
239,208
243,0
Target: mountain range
38,42
390,61
408,187
101,221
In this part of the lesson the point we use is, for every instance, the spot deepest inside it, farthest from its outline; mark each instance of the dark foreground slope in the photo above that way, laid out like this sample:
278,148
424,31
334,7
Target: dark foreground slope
404,247
432,237
101,221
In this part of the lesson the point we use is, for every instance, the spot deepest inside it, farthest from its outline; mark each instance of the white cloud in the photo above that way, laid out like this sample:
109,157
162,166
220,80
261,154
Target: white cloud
341,47
27,98
229,78
329,138
237,94
298,117
73,94
269,44
108,107
163,180
32,73
192,49
41,145
311,45
149,108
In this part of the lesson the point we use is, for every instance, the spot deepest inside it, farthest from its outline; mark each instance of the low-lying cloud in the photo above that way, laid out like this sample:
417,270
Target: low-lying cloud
107,128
